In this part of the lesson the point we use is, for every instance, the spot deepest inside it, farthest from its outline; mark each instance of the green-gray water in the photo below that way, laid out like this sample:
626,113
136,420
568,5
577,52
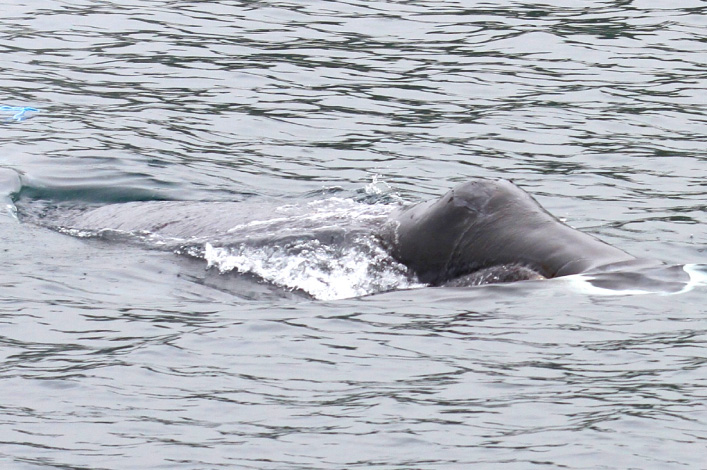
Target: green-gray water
119,356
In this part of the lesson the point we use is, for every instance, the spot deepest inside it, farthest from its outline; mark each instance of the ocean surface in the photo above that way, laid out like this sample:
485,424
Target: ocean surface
124,351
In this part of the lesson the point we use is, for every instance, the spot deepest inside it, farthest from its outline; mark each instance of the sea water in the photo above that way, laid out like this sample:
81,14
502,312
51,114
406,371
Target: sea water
119,355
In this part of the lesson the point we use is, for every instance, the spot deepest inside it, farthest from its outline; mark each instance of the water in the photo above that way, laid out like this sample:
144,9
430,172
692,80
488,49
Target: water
119,355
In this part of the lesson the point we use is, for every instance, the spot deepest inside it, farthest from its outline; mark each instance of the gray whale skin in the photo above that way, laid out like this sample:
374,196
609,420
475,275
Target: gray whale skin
486,231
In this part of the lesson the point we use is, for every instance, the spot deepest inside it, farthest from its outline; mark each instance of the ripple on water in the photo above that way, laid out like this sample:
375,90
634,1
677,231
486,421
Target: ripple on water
114,356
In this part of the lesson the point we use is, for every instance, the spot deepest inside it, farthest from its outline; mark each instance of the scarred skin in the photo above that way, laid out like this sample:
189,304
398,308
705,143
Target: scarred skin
482,224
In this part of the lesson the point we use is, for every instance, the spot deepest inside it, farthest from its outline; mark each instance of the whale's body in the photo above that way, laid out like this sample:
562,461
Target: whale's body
485,224
480,232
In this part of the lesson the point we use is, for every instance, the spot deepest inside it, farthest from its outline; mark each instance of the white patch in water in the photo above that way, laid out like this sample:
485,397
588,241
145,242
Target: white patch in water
333,210
10,209
377,187
582,282
325,272
698,276
80,233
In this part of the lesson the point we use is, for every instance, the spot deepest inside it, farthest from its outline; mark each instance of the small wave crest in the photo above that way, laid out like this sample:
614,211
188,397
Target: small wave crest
326,249
326,272
697,273
661,285
353,265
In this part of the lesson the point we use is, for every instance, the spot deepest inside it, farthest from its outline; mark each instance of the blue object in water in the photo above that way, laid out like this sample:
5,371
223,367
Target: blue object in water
19,111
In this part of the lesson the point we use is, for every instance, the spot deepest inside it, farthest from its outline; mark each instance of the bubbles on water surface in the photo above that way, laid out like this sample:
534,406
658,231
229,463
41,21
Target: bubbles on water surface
348,261
325,272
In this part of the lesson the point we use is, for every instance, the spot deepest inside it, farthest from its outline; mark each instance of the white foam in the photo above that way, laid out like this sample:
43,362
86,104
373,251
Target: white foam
698,276
9,209
333,210
79,233
582,283
323,271
376,187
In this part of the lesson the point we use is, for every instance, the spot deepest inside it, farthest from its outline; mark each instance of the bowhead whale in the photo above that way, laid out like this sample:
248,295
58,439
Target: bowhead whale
484,231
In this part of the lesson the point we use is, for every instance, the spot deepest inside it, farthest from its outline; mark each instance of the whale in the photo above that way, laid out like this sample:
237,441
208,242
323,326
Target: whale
490,231
482,231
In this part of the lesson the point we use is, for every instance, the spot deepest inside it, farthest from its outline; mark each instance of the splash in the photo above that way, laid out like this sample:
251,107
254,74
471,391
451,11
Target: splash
697,278
326,272
326,248
348,261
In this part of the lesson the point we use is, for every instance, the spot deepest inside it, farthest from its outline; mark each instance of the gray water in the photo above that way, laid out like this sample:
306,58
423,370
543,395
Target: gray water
116,355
